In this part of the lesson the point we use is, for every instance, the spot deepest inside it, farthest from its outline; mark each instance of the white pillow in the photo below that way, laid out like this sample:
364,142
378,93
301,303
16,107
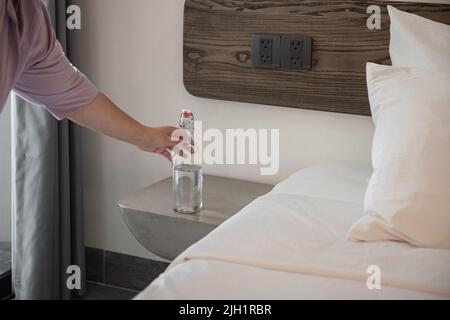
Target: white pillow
408,197
417,42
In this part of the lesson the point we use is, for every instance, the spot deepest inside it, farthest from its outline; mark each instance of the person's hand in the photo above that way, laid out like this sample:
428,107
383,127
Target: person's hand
158,140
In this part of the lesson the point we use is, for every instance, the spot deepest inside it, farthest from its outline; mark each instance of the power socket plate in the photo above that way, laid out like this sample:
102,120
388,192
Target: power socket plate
266,51
296,52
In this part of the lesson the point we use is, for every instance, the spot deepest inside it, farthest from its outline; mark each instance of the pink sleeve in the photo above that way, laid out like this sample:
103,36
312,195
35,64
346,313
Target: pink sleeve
49,78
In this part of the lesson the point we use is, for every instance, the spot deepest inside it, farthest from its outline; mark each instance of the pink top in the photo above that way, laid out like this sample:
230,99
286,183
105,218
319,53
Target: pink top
33,64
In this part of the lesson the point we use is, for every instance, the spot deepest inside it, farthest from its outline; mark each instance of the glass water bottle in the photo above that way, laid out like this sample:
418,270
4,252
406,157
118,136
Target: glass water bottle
187,176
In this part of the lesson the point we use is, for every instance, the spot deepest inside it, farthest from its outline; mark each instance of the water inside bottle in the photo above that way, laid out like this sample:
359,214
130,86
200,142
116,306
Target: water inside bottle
187,188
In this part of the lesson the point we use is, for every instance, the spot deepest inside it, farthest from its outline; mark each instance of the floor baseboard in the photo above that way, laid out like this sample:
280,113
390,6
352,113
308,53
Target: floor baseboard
120,270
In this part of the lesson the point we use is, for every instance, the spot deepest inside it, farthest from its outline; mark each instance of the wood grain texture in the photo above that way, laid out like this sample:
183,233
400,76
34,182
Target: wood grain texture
217,50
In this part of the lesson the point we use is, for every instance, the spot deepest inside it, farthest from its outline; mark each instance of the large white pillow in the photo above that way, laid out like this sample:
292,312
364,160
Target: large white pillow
417,42
408,196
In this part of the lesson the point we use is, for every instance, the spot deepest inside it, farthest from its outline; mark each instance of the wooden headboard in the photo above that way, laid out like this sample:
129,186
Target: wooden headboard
217,50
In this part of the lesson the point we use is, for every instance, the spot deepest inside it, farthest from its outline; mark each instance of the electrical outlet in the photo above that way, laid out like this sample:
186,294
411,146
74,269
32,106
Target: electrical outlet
296,52
266,51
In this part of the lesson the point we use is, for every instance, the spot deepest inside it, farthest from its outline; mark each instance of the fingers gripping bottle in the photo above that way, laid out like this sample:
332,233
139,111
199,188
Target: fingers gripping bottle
187,176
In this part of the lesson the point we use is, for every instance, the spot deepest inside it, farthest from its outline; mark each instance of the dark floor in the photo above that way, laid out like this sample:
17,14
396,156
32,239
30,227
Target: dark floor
5,257
95,291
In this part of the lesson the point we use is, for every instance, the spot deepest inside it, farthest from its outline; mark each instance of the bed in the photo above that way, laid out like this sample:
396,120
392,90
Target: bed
292,244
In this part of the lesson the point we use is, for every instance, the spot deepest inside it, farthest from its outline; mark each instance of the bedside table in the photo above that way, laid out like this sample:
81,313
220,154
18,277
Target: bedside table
150,216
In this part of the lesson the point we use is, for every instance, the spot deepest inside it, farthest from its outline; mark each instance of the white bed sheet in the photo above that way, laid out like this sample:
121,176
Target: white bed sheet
291,244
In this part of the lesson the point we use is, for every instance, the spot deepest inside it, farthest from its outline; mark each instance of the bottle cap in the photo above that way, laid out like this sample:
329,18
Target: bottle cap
187,113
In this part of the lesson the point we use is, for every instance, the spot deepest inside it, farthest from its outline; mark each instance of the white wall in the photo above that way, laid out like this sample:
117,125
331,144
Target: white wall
133,51
5,174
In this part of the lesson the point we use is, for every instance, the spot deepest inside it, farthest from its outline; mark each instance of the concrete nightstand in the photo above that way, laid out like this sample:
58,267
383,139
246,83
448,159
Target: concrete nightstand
150,216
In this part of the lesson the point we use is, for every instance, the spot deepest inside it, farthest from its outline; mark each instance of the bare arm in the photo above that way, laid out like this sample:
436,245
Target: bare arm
105,117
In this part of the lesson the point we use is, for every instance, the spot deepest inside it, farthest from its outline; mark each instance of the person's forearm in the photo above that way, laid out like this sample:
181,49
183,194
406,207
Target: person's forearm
104,116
